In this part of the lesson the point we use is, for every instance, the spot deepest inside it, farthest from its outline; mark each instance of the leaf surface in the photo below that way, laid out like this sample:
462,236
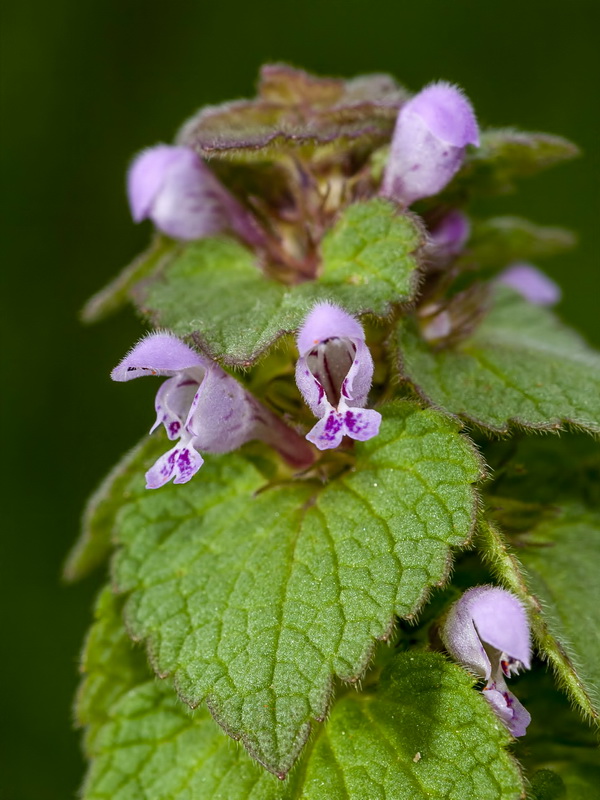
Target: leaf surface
422,732
369,266
253,598
521,367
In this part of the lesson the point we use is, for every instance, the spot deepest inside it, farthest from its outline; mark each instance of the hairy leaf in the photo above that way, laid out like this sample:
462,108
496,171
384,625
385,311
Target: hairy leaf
296,111
422,732
495,242
95,540
253,597
521,367
369,266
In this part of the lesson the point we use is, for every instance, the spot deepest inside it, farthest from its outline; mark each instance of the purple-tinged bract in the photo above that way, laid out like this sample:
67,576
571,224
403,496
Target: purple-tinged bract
429,141
334,374
203,408
531,283
175,189
488,632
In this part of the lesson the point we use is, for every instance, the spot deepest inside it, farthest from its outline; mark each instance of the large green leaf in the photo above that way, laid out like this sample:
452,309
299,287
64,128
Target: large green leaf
95,541
520,367
213,290
421,733
253,597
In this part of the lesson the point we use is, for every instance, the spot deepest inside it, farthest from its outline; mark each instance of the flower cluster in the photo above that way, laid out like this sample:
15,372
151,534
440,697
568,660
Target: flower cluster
487,631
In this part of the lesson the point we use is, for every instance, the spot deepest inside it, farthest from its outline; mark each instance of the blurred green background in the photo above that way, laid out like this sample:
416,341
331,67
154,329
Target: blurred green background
85,85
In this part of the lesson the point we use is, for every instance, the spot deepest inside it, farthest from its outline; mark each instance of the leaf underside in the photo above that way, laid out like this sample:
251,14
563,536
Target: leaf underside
423,732
254,599
521,367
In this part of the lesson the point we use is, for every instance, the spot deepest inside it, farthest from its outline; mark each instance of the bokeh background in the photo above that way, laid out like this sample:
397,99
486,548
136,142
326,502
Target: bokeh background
85,85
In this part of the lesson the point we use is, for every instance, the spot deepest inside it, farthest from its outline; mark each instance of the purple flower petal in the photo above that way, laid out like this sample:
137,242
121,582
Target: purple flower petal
532,284
146,177
327,321
334,374
157,354
428,145
447,112
203,407
510,711
175,188
500,621
449,236
357,423
180,463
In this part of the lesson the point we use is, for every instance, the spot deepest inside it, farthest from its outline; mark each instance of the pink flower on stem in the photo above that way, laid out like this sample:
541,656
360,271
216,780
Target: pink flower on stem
202,408
175,189
488,632
334,374
429,141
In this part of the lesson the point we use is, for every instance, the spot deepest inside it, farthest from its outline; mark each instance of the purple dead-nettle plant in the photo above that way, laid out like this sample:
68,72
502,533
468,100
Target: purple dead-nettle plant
531,283
334,374
203,408
428,146
488,632
174,188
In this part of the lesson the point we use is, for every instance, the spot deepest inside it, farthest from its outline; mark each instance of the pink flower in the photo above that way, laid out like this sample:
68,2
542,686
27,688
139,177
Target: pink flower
334,374
203,408
429,141
488,632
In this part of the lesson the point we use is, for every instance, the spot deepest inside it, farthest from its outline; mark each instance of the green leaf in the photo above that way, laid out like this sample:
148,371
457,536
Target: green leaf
505,155
111,665
297,114
520,367
421,733
116,293
556,577
369,266
495,242
95,540
252,597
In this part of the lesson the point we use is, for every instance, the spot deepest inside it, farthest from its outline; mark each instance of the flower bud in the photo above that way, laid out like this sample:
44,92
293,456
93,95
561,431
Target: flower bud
175,189
488,632
428,145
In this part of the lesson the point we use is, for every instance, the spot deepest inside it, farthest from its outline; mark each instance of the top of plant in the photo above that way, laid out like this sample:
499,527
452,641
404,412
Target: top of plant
320,238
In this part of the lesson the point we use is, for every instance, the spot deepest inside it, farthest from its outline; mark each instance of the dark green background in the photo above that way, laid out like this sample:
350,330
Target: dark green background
86,84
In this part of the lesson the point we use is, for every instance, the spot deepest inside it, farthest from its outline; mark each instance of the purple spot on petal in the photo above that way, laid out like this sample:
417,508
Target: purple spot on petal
174,428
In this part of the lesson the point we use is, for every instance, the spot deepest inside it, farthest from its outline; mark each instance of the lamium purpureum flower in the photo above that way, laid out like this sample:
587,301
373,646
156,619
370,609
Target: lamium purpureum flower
202,407
487,631
175,189
429,141
334,374
531,283
447,239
